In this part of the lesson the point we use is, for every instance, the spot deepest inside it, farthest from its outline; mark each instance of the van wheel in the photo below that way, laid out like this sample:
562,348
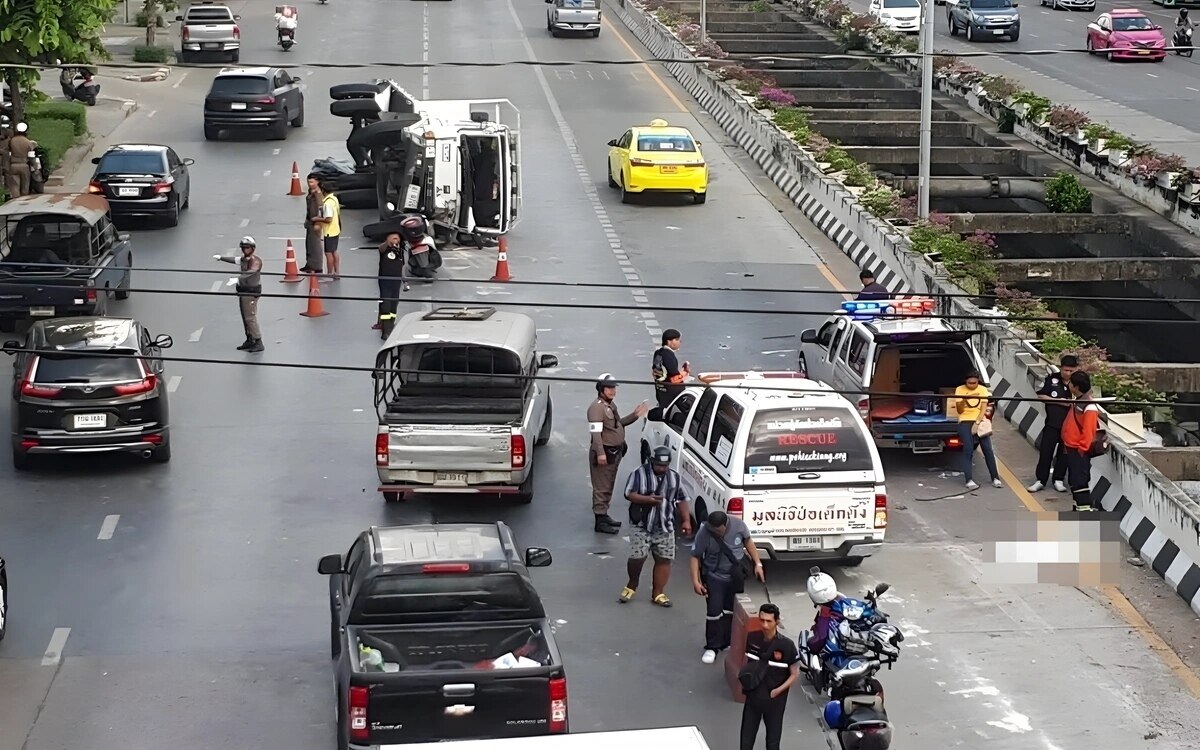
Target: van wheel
700,511
547,425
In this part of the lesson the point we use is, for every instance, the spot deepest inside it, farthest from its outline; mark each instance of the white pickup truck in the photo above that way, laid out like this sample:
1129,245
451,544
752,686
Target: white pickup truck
208,27
573,16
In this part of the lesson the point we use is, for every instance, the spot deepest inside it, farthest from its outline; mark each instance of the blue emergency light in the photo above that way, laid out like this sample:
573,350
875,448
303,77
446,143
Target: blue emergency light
870,309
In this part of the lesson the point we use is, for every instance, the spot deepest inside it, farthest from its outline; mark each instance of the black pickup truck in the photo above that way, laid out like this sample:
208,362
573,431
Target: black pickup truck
60,256
438,634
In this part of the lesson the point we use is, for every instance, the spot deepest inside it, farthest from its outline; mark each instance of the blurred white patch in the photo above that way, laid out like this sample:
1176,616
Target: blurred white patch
1013,722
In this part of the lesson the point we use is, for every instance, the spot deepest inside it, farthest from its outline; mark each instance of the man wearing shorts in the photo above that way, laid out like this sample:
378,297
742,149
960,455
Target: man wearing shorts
655,494
331,214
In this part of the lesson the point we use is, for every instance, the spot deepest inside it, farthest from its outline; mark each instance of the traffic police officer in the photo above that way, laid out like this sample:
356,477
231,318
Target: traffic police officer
5,136
607,428
19,149
249,289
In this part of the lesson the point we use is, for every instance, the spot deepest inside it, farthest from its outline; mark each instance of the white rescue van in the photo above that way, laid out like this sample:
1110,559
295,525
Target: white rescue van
671,738
787,455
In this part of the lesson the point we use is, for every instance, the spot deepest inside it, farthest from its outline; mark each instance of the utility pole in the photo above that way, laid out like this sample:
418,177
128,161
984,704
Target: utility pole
926,49
703,20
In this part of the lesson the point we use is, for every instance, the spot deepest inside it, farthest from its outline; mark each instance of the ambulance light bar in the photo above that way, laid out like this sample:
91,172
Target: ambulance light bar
868,309
714,377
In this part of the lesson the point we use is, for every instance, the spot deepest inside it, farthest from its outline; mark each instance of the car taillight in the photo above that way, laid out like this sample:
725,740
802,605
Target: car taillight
38,391
864,408
881,511
267,100
162,187
734,508
186,33
436,568
90,295
95,188
381,447
357,705
953,442
237,32
640,163
145,385
517,451
558,704
29,444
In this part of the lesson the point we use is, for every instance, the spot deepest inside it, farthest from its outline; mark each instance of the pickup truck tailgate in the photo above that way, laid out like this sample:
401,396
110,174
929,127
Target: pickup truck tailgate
449,447
580,16
40,294
810,511
432,708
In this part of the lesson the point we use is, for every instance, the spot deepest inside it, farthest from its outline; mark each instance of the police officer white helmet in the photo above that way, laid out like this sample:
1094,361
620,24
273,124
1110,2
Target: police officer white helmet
822,589
22,127
605,381
247,241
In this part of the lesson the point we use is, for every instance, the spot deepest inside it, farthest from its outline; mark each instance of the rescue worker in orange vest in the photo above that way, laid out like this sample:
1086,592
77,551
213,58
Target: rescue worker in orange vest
669,376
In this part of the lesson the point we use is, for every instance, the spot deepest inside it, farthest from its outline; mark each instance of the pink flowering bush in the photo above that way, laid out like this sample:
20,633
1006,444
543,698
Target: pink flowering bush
688,33
983,241
775,98
710,49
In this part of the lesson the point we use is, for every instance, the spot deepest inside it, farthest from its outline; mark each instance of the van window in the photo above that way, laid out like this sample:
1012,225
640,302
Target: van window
856,354
677,413
704,412
825,335
839,338
725,429
806,439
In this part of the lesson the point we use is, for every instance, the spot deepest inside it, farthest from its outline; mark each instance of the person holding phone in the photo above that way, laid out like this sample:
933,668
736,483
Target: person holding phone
975,428
655,493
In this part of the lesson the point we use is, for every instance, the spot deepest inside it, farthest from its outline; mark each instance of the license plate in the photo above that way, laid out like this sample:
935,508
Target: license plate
449,478
41,311
668,170
1143,52
128,192
237,105
207,45
999,32
90,421
804,542
412,196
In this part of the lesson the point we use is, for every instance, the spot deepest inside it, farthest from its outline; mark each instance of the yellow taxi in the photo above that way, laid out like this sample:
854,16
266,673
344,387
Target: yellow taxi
657,158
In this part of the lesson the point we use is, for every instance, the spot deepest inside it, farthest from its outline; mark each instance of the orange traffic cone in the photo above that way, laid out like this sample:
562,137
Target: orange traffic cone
296,188
316,308
291,273
502,273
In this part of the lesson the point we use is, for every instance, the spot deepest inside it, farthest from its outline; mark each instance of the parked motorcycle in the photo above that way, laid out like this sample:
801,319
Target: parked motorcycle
79,85
39,173
1182,38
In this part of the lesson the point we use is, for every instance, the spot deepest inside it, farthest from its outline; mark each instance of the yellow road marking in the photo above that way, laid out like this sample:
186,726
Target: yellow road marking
661,83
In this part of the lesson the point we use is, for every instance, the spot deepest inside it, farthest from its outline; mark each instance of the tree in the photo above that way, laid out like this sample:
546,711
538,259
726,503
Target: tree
151,11
39,32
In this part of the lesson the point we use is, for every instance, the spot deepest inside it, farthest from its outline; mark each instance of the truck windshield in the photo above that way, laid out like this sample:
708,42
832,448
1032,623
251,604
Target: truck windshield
806,439
435,594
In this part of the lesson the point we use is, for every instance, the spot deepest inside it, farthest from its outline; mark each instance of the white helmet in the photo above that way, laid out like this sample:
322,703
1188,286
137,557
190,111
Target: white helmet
822,589
247,241
22,127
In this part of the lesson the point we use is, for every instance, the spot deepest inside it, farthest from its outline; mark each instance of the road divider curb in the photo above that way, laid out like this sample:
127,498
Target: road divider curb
1015,368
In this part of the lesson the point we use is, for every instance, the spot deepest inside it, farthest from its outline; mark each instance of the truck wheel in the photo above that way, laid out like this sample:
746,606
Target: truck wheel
8,325
20,459
547,425
393,497
524,494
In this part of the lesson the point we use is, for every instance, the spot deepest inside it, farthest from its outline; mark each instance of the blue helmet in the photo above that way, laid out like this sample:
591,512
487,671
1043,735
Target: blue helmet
833,714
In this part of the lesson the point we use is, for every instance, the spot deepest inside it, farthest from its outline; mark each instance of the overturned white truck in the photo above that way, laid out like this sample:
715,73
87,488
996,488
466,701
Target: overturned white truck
455,161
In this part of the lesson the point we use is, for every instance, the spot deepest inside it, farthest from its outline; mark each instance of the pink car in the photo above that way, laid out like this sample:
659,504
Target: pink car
1127,34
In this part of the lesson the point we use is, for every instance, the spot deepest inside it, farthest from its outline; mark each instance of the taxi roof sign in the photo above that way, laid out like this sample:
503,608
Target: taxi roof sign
890,308
658,122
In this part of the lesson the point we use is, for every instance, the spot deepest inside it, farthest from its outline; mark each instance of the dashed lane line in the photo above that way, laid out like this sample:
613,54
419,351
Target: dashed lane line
254,198
173,383
108,527
216,285
54,651
196,334
152,113
425,49
244,223
182,76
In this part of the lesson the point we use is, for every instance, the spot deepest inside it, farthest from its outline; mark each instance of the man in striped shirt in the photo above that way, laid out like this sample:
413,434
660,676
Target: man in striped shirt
654,494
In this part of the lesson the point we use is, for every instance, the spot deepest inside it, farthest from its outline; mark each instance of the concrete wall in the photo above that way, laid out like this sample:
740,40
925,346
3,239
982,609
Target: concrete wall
1157,517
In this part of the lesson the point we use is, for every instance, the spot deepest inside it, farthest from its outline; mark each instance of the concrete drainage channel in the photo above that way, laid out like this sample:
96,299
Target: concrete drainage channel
988,181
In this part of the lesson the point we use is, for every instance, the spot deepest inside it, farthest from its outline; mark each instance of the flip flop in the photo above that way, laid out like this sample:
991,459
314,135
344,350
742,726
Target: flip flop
662,600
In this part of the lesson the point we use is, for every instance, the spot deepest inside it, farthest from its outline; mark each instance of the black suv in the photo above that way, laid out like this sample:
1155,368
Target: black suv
143,180
253,98
70,396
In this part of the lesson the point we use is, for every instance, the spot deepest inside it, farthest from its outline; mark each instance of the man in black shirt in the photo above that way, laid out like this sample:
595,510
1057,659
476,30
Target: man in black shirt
766,703
391,282
668,376
1057,396
871,289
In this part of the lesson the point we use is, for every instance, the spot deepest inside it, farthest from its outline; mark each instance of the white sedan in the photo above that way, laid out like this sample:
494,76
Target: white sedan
897,15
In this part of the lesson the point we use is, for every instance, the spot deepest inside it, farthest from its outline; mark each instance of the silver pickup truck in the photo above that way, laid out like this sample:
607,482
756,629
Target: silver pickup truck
208,27
459,408
575,16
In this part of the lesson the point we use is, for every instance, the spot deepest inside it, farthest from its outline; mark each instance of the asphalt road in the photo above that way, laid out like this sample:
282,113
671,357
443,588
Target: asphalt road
201,620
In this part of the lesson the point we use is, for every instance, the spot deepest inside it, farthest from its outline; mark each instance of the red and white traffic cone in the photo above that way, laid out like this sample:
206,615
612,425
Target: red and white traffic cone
502,273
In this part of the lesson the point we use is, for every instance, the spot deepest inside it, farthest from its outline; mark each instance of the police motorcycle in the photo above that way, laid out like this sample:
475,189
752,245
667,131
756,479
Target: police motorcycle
79,85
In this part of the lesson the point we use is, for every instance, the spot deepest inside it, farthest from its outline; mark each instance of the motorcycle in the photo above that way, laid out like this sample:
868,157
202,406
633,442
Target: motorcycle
1183,38
287,37
79,85
862,628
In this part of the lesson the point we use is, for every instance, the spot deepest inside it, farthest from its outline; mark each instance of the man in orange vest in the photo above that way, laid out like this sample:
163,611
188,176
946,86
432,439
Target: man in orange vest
669,376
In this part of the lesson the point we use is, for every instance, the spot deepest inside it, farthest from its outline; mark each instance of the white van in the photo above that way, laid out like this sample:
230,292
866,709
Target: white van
671,738
786,454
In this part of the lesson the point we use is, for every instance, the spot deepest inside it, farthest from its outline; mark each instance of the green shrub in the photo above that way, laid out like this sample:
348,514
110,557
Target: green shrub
73,112
3,194
54,134
141,20
1066,195
795,121
837,158
145,54
759,6
881,200
859,176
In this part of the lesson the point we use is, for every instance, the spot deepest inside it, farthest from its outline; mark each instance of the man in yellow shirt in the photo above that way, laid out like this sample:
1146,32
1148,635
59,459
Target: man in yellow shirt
971,403
331,216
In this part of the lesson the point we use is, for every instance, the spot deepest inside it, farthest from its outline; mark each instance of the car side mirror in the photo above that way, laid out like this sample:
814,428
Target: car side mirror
548,360
95,160
538,557
330,565
237,18
809,336
12,346
123,237
178,18
613,142
882,588
163,341
188,162
655,414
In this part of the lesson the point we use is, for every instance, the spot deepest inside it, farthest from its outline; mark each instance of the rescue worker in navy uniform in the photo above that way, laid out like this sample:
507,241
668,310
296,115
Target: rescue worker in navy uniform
1057,396
872,290
392,281
668,375
249,289
607,429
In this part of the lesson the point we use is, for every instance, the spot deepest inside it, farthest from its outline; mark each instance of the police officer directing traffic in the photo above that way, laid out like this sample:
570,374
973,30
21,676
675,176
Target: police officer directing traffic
249,289
607,429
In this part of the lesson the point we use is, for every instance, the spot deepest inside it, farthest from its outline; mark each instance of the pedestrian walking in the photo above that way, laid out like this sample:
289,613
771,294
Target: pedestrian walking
975,428
655,494
775,661
719,555
331,230
19,149
249,289
392,282
1080,431
871,290
314,223
669,376
1057,396
607,428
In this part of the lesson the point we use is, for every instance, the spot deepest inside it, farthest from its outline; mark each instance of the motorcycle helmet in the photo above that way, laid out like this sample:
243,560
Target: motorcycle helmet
605,381
833,714
1183,14
822,589
247,241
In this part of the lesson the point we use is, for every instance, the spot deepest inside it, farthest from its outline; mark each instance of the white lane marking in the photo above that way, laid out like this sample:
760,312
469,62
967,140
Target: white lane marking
173,383
108,527
254,198
425,50
1069,20
196,334
1189,88
152,113
181,77
1032,36
267,173
53,653
589,186
216,287
244,223
275,152
1152,75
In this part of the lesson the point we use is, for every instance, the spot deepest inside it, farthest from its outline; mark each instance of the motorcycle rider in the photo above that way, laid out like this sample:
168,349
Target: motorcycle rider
423,257
822,590
285,19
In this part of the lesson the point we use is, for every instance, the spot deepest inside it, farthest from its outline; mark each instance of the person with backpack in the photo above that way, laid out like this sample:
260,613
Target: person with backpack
655,494
1082,440
719,553
669,376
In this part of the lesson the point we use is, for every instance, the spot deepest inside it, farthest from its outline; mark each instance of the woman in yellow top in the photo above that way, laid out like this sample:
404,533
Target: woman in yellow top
971,401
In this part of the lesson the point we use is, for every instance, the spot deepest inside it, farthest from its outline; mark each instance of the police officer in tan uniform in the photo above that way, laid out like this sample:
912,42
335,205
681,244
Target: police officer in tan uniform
607,428
19,149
